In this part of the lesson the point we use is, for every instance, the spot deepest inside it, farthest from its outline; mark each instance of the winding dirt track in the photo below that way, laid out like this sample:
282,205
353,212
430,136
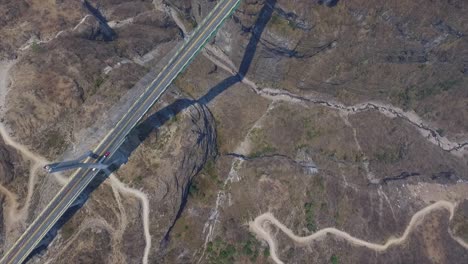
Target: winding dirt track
459,149
258,225
258,228
114,181
15,215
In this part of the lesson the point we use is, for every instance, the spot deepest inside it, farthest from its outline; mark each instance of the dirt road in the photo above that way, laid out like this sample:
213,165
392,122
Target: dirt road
259,228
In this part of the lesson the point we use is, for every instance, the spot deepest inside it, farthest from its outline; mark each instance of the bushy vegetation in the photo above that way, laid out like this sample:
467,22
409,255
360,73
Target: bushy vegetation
193,189
310,216
220,251
391,154
210,170
334,259
55,141
410,95
98,82
310,129
204,187
36,48
262,152
282,25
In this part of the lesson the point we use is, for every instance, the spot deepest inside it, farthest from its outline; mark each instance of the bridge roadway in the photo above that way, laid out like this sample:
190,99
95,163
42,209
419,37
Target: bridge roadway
36,231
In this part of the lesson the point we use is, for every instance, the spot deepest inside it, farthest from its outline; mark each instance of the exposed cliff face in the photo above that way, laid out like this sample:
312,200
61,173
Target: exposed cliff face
339,53
272,171
167,162
13,169
8,158
33,21
62,86
349,51
460,223
13,186
168,150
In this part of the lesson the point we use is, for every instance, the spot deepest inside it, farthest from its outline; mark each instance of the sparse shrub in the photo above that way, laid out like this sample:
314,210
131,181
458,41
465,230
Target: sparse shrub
441,132
254,256
67,231
310,216
262,152
209,247
358,157
98,82
138,179
436,89
193,23
405,98
275,20
311,131
260,143
220,251
193,189
55,141
210,170
282,25
228,253
391,155
449,84
247,250
36,48
334,259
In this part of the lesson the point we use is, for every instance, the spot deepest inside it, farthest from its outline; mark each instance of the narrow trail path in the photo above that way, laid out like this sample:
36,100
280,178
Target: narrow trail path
11,207
16,215
223,194
5,80
93,223
32,41
259,227
121,187
21,148
217,56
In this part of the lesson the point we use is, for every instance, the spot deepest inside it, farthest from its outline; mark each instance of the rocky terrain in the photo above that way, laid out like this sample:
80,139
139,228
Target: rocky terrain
305,132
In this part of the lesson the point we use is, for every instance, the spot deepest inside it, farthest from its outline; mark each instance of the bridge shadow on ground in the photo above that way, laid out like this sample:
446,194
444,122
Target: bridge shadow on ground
151,124
329,3
104,31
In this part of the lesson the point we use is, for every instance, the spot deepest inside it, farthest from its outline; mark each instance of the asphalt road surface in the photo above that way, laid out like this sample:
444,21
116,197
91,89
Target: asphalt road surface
82,177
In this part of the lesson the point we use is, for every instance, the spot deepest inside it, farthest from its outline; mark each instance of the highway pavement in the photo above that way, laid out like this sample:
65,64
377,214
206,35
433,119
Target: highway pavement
114,139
